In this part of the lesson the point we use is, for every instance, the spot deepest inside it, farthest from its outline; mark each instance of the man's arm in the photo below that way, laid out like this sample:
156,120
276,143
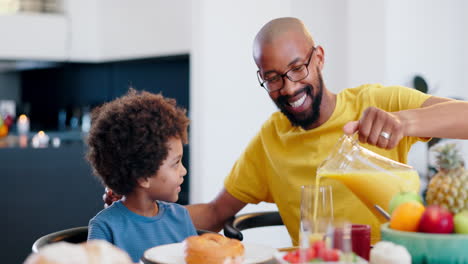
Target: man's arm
437,117
211,216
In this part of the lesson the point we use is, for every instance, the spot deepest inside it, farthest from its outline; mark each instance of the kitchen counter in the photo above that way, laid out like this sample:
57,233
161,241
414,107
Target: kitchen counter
44,190
56,139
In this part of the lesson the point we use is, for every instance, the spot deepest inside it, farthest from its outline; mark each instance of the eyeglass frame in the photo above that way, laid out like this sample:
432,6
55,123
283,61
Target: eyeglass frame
262,81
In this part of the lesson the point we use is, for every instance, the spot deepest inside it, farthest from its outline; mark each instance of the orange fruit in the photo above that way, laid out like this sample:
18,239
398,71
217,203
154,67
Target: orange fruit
3,130
406,216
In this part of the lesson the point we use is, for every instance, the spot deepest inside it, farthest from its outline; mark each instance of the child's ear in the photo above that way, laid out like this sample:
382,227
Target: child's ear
143,182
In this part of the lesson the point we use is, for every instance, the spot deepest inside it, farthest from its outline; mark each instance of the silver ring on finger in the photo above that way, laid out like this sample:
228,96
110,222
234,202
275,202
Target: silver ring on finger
385,135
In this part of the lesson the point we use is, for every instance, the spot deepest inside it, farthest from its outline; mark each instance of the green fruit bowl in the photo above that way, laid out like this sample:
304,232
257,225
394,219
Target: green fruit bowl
428,248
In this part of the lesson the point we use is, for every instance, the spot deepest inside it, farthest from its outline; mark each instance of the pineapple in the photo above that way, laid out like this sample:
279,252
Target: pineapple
449,187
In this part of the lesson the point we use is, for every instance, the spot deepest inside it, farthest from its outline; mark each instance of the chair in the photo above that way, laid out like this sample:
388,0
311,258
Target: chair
73,235
234,226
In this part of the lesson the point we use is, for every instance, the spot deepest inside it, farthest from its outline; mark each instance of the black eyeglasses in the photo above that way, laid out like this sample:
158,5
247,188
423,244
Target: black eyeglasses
295,74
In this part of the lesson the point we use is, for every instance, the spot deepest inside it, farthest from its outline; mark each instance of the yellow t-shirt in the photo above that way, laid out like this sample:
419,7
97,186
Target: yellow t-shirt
281,158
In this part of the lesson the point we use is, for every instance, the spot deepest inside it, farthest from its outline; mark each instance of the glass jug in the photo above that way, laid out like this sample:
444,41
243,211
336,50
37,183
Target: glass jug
374,179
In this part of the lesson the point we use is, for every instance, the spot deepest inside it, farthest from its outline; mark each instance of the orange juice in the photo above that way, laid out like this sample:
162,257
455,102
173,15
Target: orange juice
316,212
375,187
313,237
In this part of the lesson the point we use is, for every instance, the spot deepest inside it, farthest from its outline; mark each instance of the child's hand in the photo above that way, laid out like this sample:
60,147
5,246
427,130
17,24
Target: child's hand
110,197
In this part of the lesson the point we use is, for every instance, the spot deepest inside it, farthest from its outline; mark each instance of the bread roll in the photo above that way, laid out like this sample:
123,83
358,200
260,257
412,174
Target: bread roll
100,251
213,249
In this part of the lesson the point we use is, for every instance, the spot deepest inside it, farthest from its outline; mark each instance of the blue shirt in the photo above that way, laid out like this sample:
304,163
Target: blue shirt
136,233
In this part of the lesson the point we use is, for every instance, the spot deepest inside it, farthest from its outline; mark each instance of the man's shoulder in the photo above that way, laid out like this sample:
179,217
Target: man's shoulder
376,88
369,91
363,89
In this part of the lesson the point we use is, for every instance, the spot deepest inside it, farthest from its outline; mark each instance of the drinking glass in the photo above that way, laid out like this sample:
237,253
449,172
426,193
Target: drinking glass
350,237
316,215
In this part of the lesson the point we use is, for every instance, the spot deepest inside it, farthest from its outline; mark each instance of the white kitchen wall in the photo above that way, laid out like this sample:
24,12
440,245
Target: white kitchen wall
428,38
227,106
365,42
326,21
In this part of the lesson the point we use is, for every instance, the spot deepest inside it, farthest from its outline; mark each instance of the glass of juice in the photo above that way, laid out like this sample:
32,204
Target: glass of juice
316,215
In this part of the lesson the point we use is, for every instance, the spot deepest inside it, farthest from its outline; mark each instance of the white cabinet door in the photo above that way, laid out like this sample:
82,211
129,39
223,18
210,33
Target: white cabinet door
33,37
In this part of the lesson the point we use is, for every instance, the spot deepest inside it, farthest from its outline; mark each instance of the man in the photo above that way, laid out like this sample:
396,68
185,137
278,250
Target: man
292,143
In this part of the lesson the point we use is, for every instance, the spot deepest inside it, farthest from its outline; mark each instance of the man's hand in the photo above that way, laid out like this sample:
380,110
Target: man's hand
110,197
377,127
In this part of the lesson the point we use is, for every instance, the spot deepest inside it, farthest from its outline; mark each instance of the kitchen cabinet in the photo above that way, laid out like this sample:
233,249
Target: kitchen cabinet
44,190
30,36
98,31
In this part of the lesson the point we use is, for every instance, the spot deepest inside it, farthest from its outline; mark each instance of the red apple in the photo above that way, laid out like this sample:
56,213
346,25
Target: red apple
8,121
436,219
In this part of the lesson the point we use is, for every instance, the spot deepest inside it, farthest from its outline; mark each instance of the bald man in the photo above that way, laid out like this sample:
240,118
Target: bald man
285,153
293,142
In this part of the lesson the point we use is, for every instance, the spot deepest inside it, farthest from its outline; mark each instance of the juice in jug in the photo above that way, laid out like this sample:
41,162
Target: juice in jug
374,179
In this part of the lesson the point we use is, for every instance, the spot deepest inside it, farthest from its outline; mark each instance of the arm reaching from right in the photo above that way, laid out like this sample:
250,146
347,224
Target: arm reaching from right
211,216
438,117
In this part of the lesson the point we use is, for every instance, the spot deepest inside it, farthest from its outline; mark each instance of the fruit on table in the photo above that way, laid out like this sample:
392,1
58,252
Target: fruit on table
461,222
8,121
317,251
436,219
403,197
3,130
449,186
406,216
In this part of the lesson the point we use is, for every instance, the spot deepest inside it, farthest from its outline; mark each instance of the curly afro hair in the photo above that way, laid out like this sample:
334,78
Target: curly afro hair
128,137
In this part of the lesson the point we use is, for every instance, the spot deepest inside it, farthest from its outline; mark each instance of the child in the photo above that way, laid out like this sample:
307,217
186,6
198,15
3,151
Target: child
135,148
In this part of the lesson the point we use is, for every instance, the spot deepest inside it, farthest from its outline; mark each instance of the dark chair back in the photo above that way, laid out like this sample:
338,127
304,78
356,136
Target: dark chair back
72,235
234,226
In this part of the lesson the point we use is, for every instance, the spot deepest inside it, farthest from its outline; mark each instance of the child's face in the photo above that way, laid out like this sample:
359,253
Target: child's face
165,185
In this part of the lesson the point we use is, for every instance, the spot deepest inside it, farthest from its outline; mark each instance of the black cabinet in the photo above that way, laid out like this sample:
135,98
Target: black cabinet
44,190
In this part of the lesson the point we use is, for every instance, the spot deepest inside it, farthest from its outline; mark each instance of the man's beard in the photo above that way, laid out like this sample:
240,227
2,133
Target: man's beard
308,118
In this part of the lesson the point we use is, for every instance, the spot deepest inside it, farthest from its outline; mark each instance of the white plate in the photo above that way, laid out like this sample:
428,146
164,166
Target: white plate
174,254
279,257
